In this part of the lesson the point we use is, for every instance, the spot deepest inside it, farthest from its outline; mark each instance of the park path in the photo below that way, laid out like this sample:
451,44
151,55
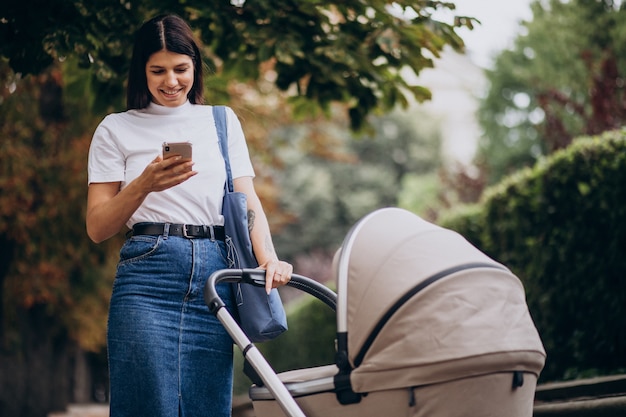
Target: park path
242,407
83,410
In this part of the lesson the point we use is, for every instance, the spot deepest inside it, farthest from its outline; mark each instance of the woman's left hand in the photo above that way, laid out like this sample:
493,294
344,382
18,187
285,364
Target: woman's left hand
277,273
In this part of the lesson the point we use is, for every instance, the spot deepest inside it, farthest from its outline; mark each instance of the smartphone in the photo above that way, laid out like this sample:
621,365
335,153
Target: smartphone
177,148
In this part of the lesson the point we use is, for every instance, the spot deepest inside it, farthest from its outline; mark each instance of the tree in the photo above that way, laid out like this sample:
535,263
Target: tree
347,51
563,78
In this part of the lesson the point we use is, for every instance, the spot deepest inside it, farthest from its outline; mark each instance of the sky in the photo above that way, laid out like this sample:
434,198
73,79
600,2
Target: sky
455,85
499,26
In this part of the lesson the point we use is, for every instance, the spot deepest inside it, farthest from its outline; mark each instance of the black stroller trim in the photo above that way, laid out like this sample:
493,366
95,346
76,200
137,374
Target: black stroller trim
311,287
414,291
343,389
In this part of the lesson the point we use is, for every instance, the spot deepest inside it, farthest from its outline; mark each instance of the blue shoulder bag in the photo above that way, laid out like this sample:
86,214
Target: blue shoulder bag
261,316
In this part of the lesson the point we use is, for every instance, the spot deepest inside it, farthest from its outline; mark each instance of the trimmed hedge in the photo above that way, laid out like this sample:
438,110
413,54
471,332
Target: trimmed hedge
561,227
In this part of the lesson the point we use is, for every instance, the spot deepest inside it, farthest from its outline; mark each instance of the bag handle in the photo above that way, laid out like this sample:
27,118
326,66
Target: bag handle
219,114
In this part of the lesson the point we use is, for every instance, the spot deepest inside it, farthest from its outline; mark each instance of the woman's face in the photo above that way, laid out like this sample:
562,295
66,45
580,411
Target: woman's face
170,77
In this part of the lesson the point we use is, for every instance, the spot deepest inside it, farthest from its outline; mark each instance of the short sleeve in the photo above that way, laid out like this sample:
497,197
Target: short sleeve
106,162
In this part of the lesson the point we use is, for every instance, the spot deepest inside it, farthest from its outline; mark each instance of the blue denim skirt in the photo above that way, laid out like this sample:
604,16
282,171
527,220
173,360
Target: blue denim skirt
168,355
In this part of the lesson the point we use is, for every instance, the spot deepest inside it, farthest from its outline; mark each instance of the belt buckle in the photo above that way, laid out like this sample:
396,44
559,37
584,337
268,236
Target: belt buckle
185,232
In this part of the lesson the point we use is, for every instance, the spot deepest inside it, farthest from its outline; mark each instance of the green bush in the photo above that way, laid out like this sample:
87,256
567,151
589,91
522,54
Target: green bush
561,227
310,340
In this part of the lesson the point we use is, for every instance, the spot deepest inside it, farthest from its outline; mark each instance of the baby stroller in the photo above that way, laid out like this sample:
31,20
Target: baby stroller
427,325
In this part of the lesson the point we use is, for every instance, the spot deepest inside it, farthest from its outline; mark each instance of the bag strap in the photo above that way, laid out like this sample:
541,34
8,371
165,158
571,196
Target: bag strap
219,115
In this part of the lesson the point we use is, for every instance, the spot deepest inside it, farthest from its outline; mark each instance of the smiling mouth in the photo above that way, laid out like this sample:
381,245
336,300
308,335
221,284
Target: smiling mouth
171,92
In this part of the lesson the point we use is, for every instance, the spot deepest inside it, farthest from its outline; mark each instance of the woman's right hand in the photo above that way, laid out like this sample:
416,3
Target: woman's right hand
161,174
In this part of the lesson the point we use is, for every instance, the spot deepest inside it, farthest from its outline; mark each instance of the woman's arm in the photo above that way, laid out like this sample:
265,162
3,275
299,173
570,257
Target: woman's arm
108,208
277,272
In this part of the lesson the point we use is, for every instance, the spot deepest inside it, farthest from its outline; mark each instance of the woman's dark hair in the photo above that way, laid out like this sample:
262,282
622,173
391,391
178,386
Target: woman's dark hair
164,32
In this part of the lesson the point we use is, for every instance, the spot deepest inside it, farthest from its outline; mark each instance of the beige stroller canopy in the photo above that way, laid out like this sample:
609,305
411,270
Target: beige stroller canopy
419,304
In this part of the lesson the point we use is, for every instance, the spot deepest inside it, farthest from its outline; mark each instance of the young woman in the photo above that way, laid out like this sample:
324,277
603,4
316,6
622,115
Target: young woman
168,356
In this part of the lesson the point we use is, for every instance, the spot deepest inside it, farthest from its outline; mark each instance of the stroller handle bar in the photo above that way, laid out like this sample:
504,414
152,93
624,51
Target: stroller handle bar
257,277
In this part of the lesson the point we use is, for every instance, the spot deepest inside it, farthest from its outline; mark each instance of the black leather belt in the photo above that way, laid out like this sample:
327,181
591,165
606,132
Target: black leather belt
184,230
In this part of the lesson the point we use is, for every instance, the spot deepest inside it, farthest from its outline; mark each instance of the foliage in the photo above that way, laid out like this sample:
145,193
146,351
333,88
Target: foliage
349,51
561,227
563,78
419,194
468,219
325,194
47,258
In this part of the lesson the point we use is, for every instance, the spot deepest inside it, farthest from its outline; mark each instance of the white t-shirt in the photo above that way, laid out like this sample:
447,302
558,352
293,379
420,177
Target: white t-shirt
125,143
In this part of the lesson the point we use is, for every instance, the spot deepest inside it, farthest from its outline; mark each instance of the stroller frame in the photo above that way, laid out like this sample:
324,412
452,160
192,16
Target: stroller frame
251,353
